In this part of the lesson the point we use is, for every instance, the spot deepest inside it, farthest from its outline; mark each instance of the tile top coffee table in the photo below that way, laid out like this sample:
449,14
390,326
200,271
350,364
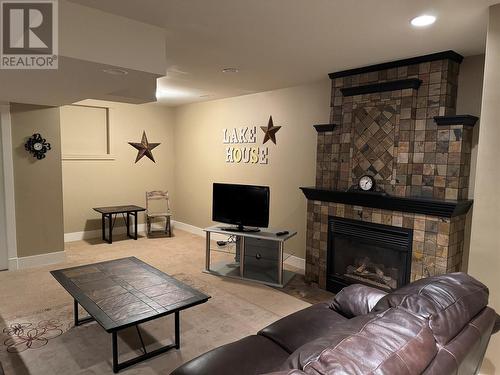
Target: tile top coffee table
127,292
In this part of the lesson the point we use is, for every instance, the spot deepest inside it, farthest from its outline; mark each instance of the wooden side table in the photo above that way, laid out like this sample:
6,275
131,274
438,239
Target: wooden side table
110,212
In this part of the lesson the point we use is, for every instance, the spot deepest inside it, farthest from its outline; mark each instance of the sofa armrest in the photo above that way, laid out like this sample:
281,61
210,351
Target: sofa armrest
356,299
496,327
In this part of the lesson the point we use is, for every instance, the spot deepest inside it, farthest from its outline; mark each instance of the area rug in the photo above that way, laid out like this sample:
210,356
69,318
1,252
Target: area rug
37,335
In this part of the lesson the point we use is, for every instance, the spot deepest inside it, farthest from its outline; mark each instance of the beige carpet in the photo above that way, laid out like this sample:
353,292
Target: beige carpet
37,334
36,322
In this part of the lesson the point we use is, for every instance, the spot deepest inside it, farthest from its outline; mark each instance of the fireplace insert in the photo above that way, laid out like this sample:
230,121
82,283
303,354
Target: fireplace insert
373,254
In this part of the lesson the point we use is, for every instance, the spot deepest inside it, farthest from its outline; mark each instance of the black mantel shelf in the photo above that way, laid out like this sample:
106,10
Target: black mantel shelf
401,84
322,128
424,206
467,120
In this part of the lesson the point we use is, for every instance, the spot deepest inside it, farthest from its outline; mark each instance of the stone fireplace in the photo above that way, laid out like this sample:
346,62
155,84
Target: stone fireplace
396,122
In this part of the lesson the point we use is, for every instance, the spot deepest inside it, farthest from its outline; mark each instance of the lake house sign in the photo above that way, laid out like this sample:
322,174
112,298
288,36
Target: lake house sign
241,143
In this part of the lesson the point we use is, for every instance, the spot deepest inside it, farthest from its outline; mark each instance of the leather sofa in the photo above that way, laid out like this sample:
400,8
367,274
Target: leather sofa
437,325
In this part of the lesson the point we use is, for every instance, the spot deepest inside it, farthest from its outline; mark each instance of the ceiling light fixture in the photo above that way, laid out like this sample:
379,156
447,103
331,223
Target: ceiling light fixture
423,20
115,71
230,70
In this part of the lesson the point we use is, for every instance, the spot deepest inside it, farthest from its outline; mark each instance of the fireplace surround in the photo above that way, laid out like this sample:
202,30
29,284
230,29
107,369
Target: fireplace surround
397,122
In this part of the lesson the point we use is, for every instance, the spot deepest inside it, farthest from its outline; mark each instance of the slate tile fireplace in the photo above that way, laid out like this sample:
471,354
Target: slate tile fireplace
396,122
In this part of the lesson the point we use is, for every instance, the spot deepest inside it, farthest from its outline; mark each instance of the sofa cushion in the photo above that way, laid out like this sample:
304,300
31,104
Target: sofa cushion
448,301
251,355
305,325
356,299
392,342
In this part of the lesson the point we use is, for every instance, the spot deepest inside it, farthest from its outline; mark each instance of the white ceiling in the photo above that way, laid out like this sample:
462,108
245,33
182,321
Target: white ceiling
85,53
282,43
73,81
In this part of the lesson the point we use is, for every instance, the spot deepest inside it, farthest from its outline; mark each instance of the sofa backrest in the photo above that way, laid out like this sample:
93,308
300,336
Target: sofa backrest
465,352
449,301
438,325
390,342
356,299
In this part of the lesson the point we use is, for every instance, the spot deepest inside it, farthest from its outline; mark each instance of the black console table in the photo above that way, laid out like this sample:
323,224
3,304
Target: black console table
109,212
259,256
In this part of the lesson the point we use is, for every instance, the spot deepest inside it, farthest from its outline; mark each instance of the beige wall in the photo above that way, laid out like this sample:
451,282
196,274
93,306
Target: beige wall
3,223
484,262
470,90
94,183
38,183
200,153
485,244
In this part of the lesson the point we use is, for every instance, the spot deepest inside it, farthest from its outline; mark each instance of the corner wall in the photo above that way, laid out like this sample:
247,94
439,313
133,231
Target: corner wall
97,183
470,89
484,260
4,257
38,183
200,153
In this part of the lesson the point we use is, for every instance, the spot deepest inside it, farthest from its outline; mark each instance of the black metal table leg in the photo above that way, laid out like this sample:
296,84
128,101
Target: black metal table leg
135,225
103,225
114,345
106,217
142,341
78,321
110,223
117,366
128,224
177,330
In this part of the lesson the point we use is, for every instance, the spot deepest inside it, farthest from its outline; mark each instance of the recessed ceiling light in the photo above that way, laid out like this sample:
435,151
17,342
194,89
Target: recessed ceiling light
115,71
423,20
205,96
230,70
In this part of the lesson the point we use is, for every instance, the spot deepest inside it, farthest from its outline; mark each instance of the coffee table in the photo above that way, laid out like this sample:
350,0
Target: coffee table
126,292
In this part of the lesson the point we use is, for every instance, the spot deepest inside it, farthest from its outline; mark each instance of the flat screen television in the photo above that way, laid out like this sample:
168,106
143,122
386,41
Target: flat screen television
243,206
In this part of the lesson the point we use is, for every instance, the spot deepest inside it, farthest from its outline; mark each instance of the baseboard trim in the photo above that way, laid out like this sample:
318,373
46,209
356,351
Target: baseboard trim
89,234
290,259
36,260
198,231
13,264
295,261
141,228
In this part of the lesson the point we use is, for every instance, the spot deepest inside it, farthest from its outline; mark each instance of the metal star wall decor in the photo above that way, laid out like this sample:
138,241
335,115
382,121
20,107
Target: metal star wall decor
144,148
270,131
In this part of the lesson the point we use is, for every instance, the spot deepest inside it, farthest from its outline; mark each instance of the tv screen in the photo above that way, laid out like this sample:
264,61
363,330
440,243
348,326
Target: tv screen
241,205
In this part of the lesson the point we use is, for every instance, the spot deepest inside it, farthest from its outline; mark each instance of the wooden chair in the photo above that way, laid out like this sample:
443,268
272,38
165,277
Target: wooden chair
159,210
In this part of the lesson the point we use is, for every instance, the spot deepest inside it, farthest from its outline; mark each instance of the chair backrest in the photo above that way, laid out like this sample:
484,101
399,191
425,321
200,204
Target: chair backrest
157,195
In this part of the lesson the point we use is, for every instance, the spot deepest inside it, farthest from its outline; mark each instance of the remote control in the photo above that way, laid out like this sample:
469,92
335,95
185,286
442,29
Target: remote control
282,233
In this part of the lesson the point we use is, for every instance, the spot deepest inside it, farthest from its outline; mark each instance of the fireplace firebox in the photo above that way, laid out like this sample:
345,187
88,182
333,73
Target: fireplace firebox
373,254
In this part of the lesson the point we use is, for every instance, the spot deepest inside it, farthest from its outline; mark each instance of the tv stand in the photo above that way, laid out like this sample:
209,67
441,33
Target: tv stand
240,228
259,255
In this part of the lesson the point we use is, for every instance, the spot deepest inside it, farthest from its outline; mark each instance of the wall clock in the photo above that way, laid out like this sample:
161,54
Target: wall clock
37,146
366,183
